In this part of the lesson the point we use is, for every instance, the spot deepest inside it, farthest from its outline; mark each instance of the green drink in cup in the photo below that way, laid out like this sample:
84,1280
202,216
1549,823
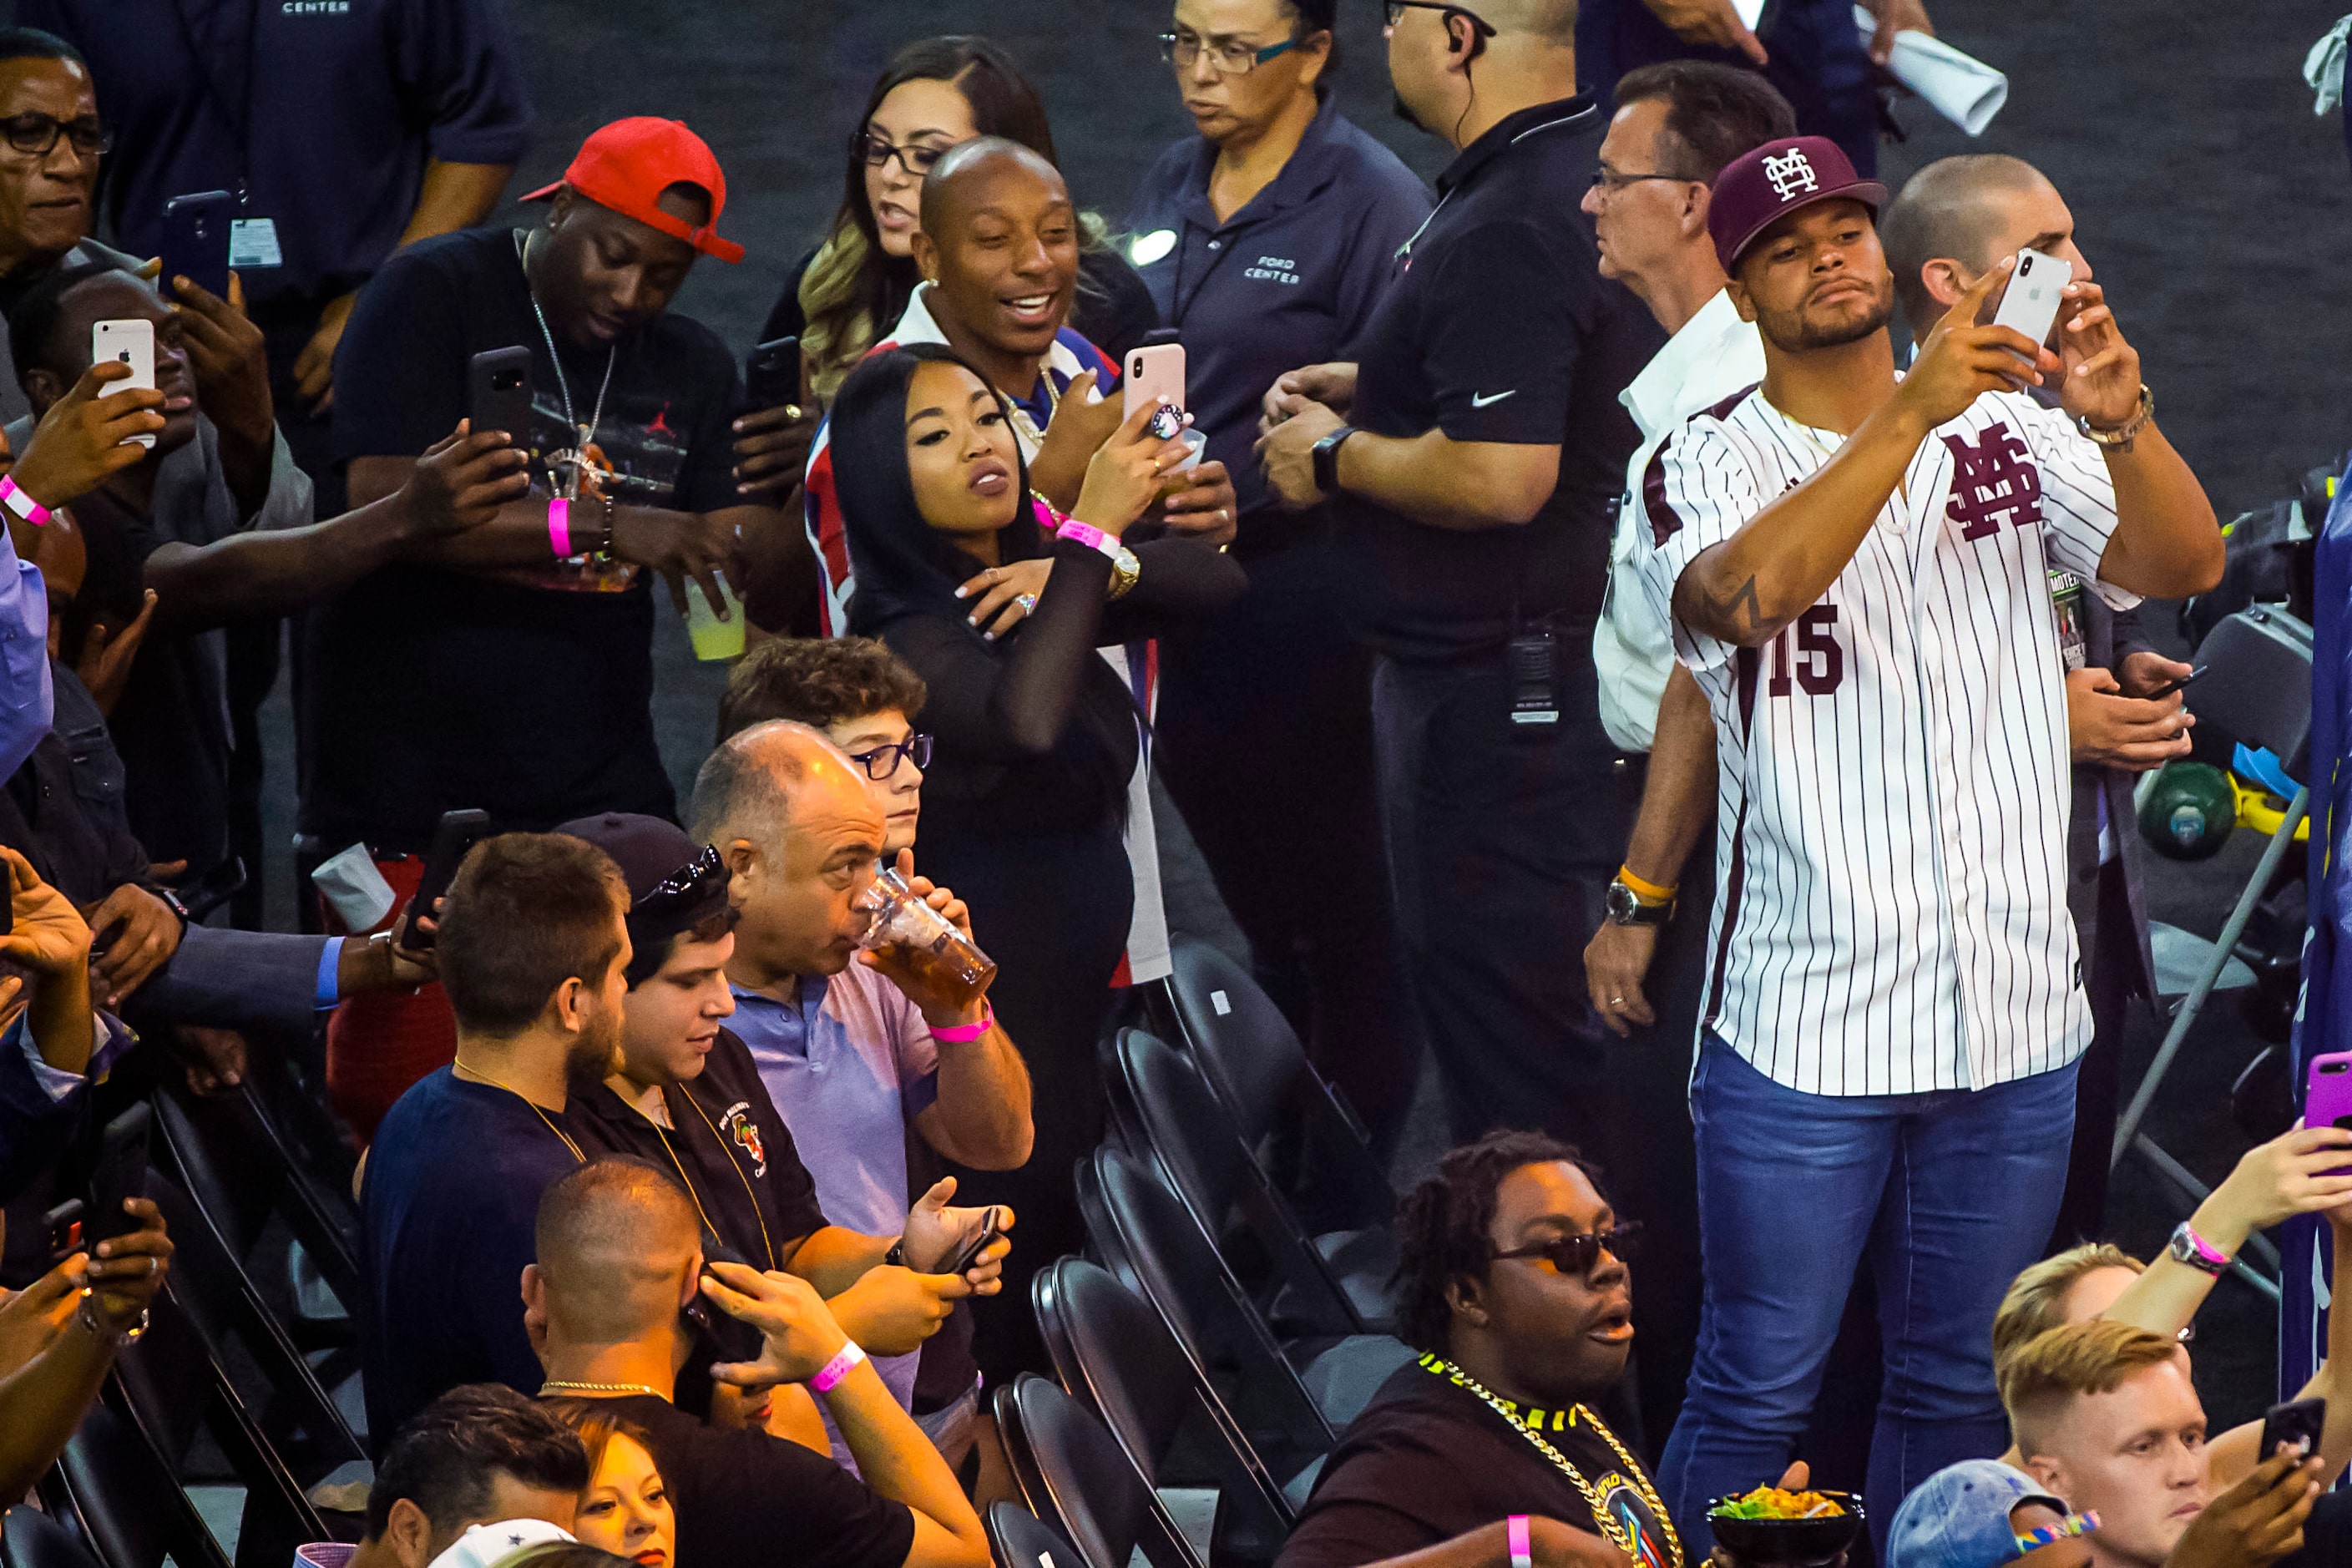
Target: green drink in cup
712,637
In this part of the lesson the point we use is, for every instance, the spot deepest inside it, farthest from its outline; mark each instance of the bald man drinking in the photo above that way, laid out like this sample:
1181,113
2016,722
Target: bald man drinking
619,1257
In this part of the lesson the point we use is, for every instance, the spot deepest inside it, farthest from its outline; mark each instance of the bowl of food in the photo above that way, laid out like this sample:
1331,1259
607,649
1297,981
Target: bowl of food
1786,1529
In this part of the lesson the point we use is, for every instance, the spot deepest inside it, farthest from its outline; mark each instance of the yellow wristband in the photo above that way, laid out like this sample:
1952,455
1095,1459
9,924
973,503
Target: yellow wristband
1648,892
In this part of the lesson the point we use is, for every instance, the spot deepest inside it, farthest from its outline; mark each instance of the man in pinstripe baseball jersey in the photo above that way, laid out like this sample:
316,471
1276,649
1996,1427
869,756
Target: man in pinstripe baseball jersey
1858,573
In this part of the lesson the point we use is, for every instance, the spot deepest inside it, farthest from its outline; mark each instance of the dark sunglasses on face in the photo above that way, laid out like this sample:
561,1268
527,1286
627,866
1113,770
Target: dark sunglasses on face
1580,1255
700,881
882,762
34,134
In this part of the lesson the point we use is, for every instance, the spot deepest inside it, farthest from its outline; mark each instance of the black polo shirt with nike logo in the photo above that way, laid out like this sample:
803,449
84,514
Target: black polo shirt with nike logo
1499,327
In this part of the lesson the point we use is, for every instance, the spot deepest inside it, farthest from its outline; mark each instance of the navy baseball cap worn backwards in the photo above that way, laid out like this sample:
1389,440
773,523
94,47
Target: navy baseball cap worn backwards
1958,1517
1758,189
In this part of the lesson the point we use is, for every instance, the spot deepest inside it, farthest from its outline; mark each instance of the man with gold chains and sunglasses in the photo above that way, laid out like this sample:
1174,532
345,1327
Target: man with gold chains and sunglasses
686,1097
1487,1451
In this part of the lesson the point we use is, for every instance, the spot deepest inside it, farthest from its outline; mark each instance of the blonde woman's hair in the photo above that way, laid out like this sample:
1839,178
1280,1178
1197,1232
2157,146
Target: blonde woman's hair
2036,1301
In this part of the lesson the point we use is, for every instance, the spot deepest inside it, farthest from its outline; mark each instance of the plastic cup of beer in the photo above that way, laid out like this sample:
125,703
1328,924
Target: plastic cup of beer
712,637
920,947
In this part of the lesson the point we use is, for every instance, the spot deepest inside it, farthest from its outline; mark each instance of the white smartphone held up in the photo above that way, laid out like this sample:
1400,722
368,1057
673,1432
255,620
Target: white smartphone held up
132,344
2036,288
1155,373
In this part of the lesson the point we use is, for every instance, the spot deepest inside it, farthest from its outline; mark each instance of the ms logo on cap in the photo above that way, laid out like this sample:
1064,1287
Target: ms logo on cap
1790,173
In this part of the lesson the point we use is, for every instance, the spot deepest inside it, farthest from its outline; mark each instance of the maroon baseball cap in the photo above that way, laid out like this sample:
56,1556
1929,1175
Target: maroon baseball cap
627,166
1756,189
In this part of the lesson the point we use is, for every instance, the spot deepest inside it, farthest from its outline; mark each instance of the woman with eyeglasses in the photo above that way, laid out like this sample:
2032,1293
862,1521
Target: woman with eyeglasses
1034,738
1266,238
848,291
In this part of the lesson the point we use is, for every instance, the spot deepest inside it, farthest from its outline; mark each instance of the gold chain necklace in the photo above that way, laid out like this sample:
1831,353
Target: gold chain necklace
458,1065
553,1385
1619,1536
766,1242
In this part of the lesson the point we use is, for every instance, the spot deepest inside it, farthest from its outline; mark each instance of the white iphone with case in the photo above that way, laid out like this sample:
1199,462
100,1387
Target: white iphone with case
132,344
2036,288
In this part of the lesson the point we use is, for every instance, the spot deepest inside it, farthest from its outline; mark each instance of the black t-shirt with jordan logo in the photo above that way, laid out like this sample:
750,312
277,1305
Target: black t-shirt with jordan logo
1428,1460
526,693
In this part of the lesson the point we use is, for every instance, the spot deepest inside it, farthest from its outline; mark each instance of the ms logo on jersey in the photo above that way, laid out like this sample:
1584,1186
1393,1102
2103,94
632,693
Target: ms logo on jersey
1791,173
1993,482
1625,1506
745,1133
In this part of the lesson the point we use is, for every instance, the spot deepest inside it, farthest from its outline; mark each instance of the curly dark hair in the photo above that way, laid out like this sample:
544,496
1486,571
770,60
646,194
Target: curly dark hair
816,681
1443,1225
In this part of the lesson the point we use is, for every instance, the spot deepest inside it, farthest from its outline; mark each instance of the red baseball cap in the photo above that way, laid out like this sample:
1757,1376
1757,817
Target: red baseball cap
627,166
1757,188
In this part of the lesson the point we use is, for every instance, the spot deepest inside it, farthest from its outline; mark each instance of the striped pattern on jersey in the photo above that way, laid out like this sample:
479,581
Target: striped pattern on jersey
1891,913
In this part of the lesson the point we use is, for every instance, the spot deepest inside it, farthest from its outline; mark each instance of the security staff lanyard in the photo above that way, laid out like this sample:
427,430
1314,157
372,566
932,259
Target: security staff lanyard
767,1243
567,466
240,124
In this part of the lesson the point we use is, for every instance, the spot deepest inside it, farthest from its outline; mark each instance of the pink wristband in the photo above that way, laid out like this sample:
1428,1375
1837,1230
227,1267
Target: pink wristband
829,1375
1523,1554
16,500
964,1034
1093,537
559,528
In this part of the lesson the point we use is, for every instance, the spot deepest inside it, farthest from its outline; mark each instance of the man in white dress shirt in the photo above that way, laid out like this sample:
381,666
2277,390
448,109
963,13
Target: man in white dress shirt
1676,126
1858,574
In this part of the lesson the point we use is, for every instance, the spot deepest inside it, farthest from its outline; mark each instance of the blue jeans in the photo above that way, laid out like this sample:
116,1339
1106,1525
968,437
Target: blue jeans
1948,1193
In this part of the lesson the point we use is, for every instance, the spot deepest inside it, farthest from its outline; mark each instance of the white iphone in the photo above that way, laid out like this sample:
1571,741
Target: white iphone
1155,373
2035,289
132,344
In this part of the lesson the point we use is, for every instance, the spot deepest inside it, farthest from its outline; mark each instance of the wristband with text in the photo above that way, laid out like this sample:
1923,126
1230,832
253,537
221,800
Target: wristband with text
964,1034
1523,1550
1647,892
830,1375
1093,537
14,497
559,527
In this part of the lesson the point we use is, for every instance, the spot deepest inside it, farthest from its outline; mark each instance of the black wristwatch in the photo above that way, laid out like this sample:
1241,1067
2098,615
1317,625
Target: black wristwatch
1327,459
897,1257
1625,907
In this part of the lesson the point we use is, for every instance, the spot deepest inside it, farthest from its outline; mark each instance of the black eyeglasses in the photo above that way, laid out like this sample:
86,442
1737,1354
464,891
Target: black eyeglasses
698,882
34,134
1396,10
883,761
876,151
1182,50
1578,1255
1611,181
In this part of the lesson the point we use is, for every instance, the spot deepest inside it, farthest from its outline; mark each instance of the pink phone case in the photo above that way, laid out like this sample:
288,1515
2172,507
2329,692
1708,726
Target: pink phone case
1152,374
2327,1099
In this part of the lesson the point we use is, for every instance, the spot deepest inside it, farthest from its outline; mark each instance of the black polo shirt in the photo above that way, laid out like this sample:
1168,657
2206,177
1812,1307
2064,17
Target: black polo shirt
1499,327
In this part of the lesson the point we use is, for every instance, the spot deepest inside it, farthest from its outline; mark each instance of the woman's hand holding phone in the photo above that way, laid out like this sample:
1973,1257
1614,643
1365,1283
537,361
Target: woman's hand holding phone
1124,474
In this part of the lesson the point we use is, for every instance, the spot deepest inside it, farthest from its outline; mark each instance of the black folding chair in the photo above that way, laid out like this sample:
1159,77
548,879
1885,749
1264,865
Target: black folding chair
1016,1539
1254,1060
1113,1351
31,1538
1334,1284
117,1493
1091,1491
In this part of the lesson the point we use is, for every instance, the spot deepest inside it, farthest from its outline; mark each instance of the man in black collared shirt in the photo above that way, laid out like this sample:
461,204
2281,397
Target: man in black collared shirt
1476,445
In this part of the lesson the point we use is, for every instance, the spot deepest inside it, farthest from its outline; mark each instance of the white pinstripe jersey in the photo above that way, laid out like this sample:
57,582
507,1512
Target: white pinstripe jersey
1890,915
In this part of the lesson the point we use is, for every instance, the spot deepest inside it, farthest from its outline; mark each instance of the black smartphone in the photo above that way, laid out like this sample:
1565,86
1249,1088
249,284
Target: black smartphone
2169,687
731,1337
65,1223
120,1173
195,241
499,394
457,831
2298,1424
991,1228
771,377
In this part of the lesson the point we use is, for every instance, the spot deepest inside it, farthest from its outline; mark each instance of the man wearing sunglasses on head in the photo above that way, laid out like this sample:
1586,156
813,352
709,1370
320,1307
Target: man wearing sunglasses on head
1487,1451
686,1096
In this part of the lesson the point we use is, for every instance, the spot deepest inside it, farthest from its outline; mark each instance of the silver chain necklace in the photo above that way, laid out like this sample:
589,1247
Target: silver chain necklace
569,464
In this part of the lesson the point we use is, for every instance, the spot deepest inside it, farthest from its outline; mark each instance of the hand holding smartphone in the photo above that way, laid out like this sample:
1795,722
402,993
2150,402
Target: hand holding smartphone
499,394
457,831
2036,288
2296,1424
992,1227
195,241
130,342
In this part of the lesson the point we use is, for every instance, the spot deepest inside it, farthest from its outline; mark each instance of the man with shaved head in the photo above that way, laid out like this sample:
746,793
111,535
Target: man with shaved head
862,1061
1953,222
619,1257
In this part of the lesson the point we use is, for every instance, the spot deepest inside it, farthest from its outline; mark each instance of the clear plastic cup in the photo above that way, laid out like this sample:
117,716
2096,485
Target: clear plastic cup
920,948
712,637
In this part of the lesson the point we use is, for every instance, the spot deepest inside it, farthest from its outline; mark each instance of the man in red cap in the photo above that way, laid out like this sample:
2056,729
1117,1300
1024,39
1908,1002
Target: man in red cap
513,672
1858,573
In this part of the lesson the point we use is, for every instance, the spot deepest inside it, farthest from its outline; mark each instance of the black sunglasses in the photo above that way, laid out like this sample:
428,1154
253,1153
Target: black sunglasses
696,883
882,762
34,134
1578,1255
